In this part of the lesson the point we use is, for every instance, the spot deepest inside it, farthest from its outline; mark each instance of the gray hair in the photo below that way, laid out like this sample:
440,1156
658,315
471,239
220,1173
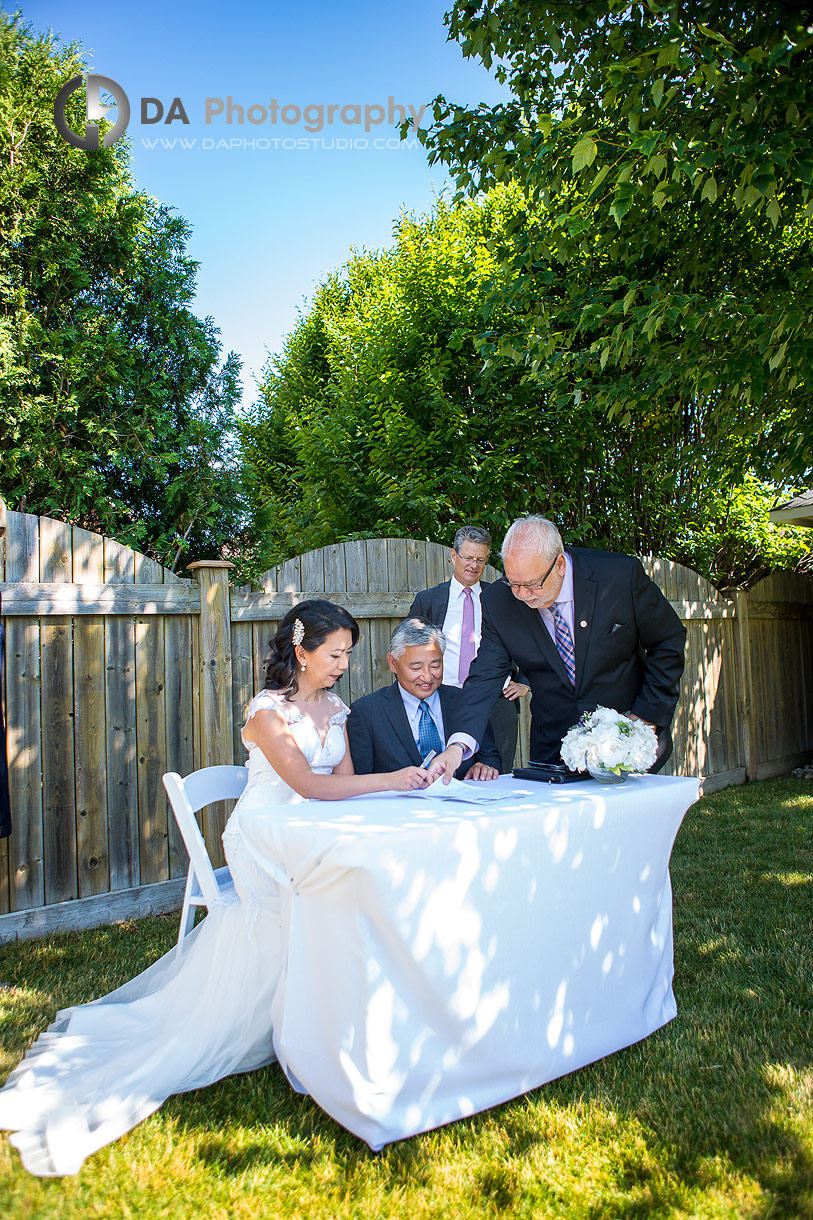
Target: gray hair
533,533
415,631
471,533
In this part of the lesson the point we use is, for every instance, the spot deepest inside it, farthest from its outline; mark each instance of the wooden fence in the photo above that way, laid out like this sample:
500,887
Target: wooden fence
117,671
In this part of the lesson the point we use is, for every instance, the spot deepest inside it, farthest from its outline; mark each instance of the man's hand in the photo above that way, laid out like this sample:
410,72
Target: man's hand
482,771
446,764
632,716
514,690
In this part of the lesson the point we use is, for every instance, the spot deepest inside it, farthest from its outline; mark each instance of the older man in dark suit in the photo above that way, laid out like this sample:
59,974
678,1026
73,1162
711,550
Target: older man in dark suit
587,628
454,606
405,724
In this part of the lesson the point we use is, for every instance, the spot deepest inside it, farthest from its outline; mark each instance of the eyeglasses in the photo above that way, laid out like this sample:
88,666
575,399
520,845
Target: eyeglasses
471,561
514,586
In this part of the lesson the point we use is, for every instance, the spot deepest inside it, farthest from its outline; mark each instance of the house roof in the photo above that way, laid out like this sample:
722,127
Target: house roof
798,511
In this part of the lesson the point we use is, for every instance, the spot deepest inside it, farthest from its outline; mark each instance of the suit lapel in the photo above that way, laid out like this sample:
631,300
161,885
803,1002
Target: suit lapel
543,638
584,601
395,712
442,603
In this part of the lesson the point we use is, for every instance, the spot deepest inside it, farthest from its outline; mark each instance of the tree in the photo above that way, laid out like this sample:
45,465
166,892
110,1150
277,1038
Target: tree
670,146
115,412
399,407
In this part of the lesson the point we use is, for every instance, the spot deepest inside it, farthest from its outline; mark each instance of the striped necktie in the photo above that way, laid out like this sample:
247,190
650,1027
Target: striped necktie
564,643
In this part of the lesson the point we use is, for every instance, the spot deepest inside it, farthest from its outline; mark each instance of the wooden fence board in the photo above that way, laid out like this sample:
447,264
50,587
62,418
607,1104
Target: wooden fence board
334,569
380,629
93,864
5,853
120,720
58,761
805,666
262,634
248,607
761,727
397,565
153,817
49,597
313,571
289,576
416,565
438,566
727,697
26,876
244,683
180,727
197,718
358,679
5,845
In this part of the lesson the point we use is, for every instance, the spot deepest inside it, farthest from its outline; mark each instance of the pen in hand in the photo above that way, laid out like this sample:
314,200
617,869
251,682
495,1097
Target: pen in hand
429,758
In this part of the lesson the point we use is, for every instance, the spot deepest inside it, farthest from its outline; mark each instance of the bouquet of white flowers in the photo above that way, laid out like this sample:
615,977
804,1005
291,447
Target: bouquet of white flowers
607,739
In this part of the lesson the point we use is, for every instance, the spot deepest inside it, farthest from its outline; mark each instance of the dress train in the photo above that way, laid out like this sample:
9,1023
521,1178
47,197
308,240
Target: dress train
189,1019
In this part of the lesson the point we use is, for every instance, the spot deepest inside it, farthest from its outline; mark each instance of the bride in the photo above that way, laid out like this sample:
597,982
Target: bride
185,1022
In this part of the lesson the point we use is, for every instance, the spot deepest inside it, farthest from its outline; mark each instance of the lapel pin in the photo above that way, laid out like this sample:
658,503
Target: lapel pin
583,623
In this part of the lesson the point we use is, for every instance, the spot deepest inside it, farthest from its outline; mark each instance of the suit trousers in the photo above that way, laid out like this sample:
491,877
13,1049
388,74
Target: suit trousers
504,722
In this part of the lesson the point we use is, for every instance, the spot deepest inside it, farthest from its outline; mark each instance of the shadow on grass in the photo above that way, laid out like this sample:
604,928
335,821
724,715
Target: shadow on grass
720,1084
716,1097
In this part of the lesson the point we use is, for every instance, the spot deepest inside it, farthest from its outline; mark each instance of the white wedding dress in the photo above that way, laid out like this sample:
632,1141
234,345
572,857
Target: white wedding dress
186,1021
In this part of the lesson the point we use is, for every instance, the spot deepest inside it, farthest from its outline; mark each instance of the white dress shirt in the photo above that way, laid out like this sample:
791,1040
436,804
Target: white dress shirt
453,628
413,711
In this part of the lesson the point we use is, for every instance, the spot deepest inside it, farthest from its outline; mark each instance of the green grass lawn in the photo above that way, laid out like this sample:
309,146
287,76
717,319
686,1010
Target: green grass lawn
711,1116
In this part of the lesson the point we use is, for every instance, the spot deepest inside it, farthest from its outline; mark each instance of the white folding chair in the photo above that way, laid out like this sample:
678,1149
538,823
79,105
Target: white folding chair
187,796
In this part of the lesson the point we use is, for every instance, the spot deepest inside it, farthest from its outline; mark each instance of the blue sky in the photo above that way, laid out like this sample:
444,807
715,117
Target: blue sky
270,221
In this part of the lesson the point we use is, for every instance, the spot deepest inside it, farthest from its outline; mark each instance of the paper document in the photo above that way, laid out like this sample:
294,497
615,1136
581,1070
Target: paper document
475,792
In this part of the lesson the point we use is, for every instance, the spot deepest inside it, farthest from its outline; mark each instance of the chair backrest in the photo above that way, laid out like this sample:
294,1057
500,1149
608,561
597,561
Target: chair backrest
187,796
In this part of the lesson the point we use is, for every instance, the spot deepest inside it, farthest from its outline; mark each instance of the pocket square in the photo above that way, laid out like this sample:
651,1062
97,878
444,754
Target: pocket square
617,627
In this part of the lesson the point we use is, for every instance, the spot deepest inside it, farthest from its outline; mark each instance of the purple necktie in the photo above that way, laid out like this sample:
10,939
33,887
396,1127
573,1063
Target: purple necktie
468,648
564,642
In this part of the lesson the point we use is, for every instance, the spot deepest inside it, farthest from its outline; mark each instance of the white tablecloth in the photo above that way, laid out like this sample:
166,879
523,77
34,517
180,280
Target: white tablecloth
442,958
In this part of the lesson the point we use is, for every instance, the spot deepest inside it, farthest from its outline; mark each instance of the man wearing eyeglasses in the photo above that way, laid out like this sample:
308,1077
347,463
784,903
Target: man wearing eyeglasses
587,628
454,606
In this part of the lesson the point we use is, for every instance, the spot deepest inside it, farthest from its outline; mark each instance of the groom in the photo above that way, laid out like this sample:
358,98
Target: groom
403,724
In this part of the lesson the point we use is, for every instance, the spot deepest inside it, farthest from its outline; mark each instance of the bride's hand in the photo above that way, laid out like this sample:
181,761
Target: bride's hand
408,779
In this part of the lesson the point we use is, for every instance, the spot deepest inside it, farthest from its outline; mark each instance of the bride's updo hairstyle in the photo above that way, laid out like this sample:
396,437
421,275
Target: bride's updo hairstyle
308,624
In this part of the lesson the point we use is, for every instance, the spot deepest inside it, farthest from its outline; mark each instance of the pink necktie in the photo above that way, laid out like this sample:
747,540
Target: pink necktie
468,648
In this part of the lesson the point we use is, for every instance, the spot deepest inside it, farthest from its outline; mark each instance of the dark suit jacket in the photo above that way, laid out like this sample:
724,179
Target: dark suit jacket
381,739
432,605
629,654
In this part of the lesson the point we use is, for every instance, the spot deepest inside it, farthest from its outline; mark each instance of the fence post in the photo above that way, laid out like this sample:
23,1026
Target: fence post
745,683
214,696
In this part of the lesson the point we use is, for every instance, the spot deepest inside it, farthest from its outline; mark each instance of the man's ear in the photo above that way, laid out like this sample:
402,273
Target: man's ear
391,662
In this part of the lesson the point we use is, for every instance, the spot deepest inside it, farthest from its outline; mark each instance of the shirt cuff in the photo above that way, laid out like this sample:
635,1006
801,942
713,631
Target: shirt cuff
469,744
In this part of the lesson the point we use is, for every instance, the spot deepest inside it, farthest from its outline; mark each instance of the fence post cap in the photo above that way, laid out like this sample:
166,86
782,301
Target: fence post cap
208,563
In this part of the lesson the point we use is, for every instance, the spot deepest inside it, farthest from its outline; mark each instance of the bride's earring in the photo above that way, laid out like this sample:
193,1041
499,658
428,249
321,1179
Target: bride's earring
303,667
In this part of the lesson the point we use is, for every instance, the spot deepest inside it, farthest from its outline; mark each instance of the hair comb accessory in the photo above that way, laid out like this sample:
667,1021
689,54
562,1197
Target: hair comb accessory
298,633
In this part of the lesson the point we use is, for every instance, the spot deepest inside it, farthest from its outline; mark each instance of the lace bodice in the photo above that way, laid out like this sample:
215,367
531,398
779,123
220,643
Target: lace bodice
321,758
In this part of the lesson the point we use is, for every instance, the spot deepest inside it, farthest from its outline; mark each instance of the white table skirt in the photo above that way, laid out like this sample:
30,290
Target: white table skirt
441,958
